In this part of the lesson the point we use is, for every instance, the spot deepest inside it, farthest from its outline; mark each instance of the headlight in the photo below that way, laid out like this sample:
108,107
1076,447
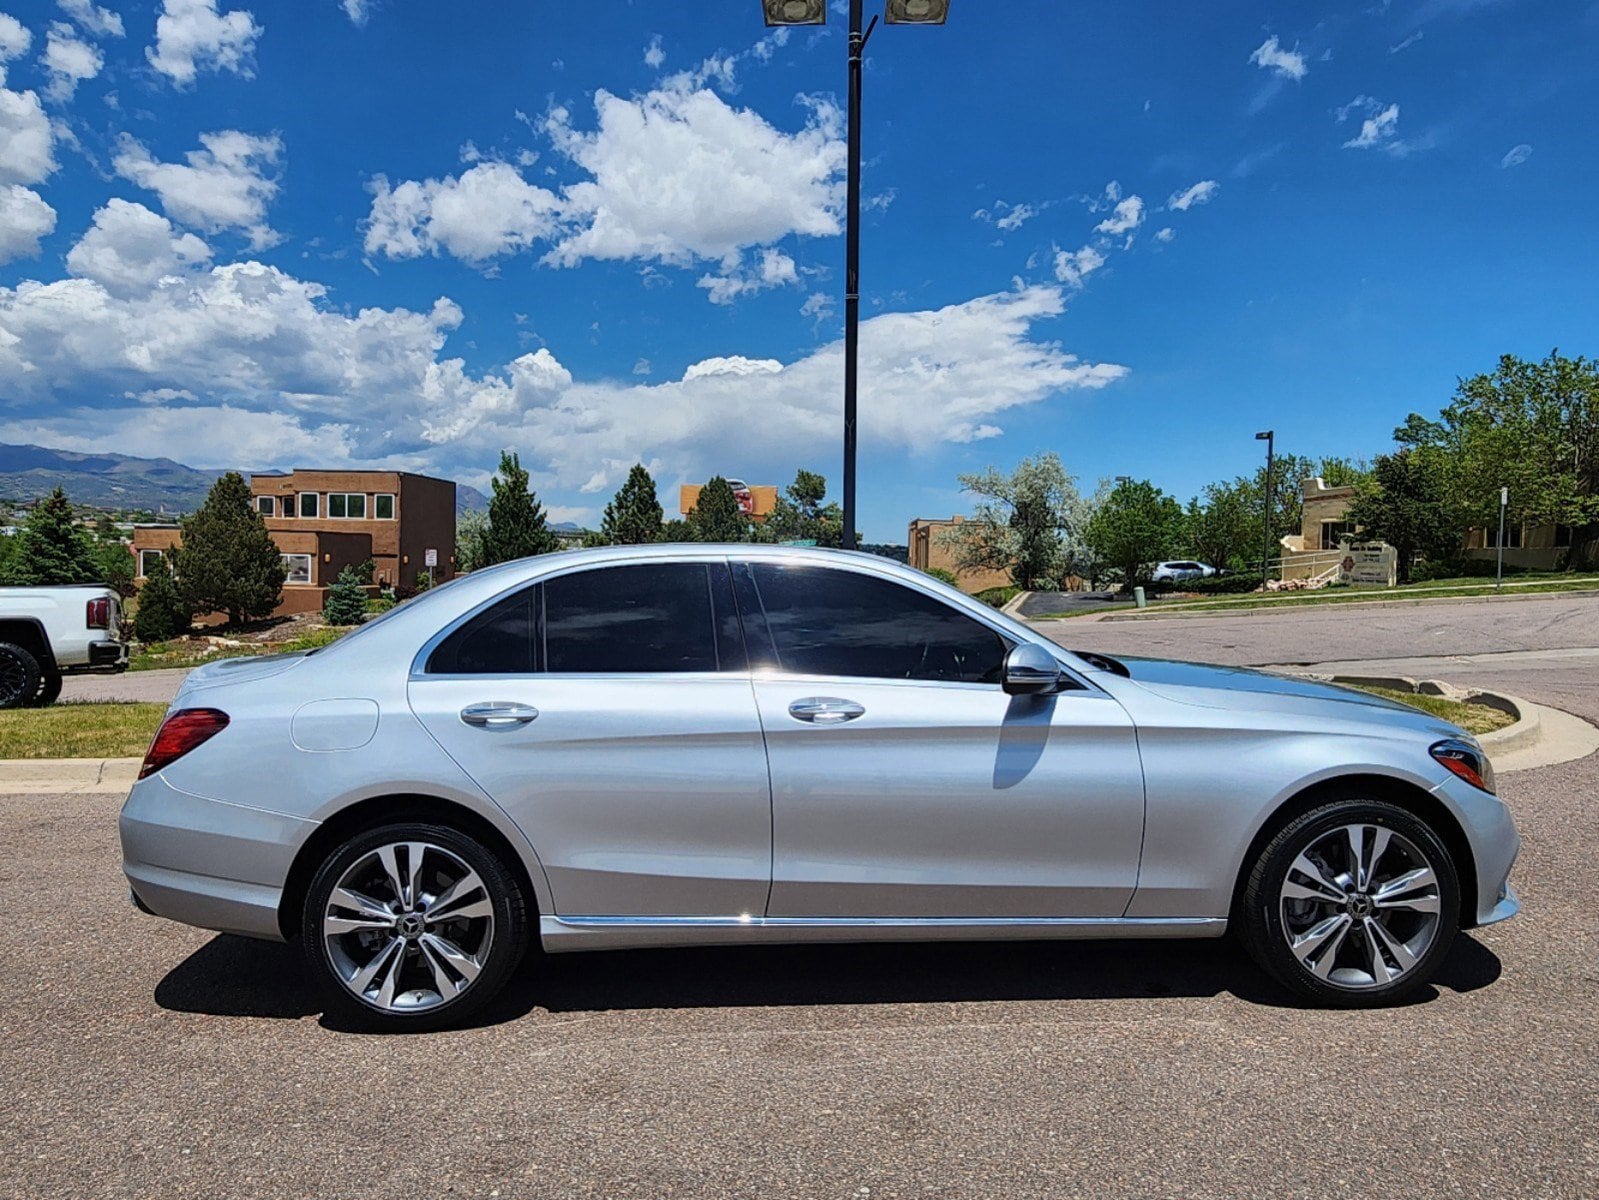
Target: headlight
1466,760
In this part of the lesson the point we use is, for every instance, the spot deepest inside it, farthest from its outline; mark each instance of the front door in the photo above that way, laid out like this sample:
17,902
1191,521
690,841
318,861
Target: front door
907,784
609,712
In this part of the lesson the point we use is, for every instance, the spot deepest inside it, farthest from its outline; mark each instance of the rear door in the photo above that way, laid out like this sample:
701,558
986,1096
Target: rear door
907,784
609,711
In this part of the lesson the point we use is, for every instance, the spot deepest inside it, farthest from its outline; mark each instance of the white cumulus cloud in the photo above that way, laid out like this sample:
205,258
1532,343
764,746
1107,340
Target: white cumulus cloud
1073,267
192,36
69,60
1379,127
1127,216
1270,55
14,38
1200,193
27,142
484,212
24,219
654,56
224,185
101,22
129,249
773,269
359,11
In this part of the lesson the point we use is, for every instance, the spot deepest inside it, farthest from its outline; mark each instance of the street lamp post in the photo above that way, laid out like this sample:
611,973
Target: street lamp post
1269,437
814,12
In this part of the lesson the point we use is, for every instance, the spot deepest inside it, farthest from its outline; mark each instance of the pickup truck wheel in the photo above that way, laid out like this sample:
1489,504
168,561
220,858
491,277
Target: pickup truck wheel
19,676
49,689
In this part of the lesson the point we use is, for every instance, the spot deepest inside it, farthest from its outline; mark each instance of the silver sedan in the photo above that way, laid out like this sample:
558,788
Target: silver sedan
676,745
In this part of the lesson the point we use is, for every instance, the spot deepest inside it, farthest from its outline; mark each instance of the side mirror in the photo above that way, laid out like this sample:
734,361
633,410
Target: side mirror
1031,671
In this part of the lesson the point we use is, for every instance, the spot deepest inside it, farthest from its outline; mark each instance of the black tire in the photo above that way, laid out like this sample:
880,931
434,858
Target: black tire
1407,948
49,689
19,676
508,932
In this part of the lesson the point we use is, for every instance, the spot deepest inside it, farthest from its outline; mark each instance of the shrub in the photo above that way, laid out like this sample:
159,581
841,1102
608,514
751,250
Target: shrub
346,602
998,597
161,613
943,576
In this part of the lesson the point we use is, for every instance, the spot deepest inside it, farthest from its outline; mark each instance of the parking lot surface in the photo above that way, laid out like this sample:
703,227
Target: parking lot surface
146,1059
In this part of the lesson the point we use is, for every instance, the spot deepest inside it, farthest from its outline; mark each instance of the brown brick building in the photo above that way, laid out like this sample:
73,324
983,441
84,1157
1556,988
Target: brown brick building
324,521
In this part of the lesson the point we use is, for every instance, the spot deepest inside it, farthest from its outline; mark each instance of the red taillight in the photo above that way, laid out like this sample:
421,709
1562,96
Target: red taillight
97,613
180,733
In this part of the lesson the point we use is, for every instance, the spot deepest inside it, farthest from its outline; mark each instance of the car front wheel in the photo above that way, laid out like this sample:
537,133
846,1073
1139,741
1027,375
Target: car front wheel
413,926
1353,904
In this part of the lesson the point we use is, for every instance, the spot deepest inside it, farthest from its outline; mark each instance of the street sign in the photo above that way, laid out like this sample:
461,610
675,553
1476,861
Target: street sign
430,558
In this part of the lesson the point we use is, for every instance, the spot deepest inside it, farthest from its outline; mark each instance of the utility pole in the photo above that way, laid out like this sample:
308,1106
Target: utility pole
852,263
1499,568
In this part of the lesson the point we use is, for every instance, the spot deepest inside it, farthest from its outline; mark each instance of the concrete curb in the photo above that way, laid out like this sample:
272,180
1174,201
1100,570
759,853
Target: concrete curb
1013,606
56,775
1526,730
1255,610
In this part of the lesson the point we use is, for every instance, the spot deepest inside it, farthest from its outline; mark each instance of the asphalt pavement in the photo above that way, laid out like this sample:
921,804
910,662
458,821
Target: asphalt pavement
146,1059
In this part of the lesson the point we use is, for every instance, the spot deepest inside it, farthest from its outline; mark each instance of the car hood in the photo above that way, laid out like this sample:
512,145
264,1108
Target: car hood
1249,689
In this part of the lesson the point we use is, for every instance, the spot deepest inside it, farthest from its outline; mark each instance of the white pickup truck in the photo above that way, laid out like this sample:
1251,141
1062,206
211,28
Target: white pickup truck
49,632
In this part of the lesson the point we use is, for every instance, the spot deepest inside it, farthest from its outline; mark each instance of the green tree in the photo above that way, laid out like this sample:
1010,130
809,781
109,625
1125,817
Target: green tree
800,514
1224,529
228,562
677,530
634,517
346,600
1403,504
471,527
161,613
1030,523
716,516
1530,426
49,549
517,527
1136,527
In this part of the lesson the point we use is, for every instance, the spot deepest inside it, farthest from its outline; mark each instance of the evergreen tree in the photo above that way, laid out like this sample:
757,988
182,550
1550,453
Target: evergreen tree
715,517
634,517
517,528
677,530
161,613
115,561
346,602
228,562
800,515
50,549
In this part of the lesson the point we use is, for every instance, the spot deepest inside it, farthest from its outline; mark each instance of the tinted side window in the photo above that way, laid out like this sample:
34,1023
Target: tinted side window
655,617
500,640
826,622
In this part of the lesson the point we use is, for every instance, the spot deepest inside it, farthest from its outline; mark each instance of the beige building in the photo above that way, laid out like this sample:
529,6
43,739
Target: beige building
930,550
1313,550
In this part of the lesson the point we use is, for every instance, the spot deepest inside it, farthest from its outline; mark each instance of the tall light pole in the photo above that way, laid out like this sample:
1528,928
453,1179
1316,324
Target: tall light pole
1269,437
814,12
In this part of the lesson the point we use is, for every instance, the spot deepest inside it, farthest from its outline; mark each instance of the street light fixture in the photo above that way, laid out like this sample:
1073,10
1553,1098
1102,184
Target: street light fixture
795,12
814,12
1269,437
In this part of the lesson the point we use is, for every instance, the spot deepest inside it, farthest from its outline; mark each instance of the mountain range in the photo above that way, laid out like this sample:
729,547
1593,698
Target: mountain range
125,482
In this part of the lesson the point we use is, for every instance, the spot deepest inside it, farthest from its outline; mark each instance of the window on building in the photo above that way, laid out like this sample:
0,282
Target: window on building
1333,531
149,560
299,567
309,507
383,507
347,505
265,506
1512,537
829,622
1562,537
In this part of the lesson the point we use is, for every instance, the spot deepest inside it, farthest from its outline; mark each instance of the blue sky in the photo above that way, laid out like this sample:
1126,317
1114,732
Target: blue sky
327,232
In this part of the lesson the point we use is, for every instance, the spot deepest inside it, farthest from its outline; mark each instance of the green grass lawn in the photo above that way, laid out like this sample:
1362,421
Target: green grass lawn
1473,718
79,730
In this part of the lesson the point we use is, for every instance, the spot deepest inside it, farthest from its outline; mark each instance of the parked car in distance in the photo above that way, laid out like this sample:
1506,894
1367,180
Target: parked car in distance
1172,572
686,745
49,632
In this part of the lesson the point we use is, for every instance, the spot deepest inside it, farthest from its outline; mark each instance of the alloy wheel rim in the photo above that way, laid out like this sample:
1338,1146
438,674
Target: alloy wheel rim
408,927
12,679
1360,906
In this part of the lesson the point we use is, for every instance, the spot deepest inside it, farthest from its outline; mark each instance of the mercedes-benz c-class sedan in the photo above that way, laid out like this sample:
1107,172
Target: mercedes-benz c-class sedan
676,745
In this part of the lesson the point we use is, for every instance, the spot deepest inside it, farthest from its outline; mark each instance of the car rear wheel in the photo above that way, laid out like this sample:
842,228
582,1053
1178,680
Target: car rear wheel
19,676
1353,904
49,689
413,926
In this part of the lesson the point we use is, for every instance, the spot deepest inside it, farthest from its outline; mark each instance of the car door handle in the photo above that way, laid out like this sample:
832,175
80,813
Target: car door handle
825,710
498,714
